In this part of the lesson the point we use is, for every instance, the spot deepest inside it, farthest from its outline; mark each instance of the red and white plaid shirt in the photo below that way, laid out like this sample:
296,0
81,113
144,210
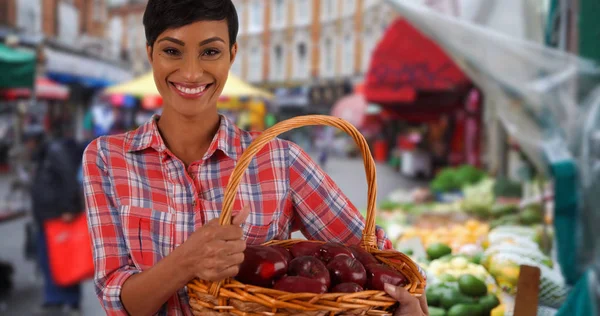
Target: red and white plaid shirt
142,202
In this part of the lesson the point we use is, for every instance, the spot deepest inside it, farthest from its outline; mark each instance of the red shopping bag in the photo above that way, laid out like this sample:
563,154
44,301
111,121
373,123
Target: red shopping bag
69,250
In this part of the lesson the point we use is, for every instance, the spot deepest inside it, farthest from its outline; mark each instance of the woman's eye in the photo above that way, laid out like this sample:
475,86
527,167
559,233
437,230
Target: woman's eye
211,53
171,51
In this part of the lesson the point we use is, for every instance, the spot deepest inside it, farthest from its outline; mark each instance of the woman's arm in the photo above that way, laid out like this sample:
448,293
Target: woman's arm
213,252
323,212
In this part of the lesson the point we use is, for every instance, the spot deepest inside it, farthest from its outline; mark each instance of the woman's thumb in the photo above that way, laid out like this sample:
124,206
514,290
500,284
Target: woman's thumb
400,294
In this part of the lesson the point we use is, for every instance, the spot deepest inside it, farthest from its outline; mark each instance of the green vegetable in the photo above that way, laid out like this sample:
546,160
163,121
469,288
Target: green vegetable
445,181
447,278
465,310
499,210
476,259
531,216
438,250
434,296
507,188
471,285
388,205
468,175
451,297
489,302
408,252
436,311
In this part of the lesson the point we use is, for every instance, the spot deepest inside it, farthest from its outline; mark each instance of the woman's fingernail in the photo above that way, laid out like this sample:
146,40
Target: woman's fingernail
389,288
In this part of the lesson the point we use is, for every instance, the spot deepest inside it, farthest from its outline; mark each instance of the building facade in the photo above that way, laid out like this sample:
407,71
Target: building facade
285,43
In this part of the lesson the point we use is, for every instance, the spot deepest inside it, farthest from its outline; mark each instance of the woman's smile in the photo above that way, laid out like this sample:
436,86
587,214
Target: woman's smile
190,90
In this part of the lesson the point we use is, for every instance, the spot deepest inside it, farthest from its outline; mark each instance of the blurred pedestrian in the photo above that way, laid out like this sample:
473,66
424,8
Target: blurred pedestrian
55,193
326,139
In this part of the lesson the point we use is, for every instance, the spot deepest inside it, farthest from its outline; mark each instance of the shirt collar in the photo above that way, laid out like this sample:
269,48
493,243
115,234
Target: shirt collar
227,139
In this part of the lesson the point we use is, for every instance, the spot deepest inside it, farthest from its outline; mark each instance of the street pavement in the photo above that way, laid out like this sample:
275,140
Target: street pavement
347,173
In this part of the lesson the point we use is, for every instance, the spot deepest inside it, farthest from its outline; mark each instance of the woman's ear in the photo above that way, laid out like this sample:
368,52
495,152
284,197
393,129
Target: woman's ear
234,50
149,53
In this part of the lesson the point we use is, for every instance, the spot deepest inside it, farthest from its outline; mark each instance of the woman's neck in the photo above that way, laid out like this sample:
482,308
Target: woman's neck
188,138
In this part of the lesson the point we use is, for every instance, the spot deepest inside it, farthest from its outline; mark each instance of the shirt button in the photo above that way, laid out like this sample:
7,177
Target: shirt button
194,203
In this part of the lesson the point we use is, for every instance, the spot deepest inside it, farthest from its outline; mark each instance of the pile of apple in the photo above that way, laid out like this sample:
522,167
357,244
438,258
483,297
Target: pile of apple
309,267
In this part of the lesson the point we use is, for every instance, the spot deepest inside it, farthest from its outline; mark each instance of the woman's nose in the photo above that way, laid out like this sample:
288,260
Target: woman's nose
192,69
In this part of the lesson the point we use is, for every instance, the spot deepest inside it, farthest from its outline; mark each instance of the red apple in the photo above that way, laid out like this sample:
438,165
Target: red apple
261,266
347,288
286,254
299,284
344,269
379,274
331,250
305,248
310,267
362,255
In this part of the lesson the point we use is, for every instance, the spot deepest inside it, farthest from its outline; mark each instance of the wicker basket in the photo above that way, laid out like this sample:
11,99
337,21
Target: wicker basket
231,297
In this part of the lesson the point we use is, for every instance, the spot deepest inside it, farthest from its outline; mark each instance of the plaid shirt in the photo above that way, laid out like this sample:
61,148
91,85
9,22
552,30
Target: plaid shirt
142,202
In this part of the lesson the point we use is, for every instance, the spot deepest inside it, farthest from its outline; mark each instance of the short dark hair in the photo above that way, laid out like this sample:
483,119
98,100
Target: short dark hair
161,15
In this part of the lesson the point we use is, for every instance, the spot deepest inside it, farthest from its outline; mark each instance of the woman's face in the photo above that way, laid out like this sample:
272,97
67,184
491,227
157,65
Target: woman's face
190,66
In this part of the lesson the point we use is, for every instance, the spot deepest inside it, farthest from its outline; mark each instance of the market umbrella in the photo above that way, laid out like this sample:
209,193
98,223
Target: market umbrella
45,89
17,68
352,108
144,86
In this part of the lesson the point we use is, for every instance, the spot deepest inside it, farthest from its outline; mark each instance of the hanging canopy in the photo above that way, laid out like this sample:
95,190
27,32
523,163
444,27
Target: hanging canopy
407,63
45,89
17,68
144,86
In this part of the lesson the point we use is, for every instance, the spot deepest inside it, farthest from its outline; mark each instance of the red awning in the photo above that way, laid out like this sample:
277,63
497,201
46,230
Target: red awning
406,63
45,89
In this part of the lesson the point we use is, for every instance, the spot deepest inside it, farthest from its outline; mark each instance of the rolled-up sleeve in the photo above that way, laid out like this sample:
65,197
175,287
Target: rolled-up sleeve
323,212
112,262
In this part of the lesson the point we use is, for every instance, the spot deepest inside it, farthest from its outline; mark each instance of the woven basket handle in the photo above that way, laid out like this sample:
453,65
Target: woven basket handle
368,237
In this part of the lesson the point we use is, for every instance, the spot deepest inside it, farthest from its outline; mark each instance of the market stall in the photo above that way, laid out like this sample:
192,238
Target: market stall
486,232
18,71
238,97
415,81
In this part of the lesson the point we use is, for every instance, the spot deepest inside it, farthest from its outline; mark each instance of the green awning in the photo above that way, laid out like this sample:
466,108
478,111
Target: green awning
17,68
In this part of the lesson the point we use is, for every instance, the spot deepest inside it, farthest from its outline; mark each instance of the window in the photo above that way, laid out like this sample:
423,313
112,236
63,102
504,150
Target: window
349,6
348,58
255,62
278,13
29,16
98,11
328,9
241,8
256,15
329,67
303,11
302,61
278,59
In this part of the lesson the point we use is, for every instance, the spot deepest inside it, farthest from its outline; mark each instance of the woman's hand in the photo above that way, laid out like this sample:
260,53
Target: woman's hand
409,305
215,252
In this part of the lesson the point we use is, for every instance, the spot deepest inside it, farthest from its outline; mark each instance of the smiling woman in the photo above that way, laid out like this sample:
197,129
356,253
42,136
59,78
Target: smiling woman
154,195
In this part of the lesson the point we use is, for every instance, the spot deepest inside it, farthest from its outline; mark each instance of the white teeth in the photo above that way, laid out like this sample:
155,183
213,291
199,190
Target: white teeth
190,90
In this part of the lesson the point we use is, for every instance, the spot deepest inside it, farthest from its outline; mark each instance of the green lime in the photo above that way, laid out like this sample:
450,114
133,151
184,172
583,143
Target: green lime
438,250
465,310
489,302
453,297
436,311
531,216
471,285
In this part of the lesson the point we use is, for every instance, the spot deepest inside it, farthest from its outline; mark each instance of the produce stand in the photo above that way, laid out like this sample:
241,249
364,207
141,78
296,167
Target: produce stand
549,102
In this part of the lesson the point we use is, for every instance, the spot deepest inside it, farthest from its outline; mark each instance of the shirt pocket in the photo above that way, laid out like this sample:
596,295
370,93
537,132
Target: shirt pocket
259,234
148,234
